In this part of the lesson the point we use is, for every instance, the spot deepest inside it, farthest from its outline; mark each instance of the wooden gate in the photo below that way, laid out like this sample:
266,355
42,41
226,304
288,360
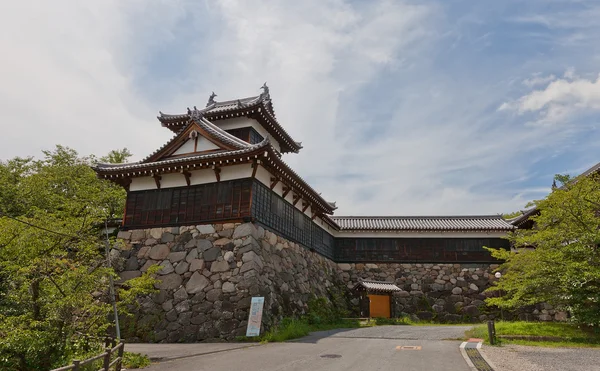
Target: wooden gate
379,306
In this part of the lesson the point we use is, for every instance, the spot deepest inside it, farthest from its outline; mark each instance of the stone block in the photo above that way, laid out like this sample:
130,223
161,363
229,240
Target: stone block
148,264
184,306
138,235
167,237
203,245
196,265
344,266
124,235
211,254
471,310
141,254
214,295
229,256
176,256
127,275
228,287
220,266
456,291
182,267
196,283
243,230
222,242
193,254
131,264
180,295
159,252
167,267
205,229
170,281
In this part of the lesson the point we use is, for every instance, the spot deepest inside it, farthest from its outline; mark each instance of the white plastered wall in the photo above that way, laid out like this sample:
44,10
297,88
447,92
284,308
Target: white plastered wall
197,177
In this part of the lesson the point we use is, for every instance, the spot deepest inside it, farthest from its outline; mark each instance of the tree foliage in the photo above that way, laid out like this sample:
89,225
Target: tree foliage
557,262
53,276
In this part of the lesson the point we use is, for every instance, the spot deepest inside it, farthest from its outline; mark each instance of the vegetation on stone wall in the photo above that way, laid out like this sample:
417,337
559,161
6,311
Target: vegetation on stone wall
558,261
53,277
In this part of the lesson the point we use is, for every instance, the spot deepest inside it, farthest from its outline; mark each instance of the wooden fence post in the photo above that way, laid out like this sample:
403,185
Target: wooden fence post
120,354
106,359
76,364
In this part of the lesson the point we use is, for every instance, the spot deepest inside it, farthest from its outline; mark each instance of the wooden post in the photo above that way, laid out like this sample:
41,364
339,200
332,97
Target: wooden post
76,364
120,355
106,359
491,332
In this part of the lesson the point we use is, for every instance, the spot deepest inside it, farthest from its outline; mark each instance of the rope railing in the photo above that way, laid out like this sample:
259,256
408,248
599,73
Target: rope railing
106,356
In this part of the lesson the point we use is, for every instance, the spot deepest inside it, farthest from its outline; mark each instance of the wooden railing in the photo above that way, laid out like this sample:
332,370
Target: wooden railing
107,355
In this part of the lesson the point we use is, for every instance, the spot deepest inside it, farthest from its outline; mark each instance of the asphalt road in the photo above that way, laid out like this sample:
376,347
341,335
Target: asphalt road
382,348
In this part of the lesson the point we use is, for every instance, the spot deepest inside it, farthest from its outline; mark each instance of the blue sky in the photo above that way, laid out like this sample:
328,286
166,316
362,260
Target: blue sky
403,107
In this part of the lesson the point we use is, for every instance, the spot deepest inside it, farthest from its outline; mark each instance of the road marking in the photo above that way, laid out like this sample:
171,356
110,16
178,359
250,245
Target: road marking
408,347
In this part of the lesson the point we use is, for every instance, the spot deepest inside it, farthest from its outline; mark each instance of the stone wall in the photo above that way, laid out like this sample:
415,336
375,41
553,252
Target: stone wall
209,275
443,292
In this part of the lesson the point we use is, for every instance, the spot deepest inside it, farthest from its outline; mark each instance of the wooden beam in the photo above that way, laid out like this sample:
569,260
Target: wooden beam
187,176
126,183
314,216
286,190
157,179
217,173
254,167
296,199
305,206
274,182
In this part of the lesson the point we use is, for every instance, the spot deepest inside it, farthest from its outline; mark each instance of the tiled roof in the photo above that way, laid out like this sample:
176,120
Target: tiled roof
422,223
259,105
206,156
378,286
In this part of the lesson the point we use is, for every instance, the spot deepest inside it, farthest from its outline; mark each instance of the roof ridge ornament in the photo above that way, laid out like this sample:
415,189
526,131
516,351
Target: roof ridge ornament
211,99
265,94
195,114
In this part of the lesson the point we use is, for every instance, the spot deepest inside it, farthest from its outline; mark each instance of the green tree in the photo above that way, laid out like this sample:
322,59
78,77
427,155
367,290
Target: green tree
557,262
116,156
53,276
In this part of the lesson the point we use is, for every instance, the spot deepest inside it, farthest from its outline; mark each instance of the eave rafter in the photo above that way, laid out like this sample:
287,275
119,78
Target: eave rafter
286,190
187,176
217,171
296,198
157,179
274,181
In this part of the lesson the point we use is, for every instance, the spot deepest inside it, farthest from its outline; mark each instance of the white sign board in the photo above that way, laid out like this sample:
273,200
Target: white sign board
255,316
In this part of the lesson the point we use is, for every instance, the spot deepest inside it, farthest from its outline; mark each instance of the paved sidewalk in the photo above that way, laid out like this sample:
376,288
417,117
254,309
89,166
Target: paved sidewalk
384,348
529,358
167,352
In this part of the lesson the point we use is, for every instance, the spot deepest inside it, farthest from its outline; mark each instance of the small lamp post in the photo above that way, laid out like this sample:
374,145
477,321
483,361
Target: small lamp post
498,275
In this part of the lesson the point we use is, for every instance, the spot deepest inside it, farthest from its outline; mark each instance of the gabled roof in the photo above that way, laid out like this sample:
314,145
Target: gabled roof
422,223
233,151
377,286
202,127
257,107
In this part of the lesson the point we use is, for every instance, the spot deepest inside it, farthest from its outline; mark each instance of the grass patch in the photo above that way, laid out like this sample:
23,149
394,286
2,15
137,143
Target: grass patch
290,329
135,360
539,333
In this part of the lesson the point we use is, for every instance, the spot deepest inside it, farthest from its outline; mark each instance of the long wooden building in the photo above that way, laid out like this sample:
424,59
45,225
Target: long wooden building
225,164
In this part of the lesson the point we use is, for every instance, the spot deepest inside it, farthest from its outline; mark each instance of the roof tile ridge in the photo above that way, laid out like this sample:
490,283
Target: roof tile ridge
221,132
310,188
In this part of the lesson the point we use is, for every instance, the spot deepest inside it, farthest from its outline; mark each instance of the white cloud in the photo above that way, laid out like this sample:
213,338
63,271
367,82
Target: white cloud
423,143
538,80
559,100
